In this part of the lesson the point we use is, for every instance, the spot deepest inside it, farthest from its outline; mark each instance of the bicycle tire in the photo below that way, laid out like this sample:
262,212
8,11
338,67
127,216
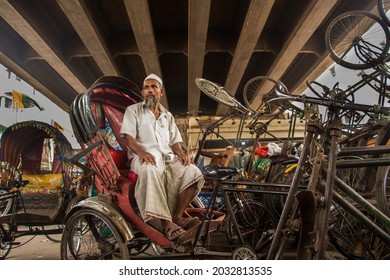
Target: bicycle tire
258,90
276,202
5,206
353,176
89,234
346,232
384,7
382,189
216,92
354,240
252,223
244,253
348,32
317,88
5,245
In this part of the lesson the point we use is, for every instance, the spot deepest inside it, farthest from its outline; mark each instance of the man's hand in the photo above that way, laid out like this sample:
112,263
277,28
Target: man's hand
147,158
185,160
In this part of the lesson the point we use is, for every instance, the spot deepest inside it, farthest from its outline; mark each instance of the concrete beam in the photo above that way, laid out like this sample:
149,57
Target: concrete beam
82,22
198,22
252,28
141,22
11,15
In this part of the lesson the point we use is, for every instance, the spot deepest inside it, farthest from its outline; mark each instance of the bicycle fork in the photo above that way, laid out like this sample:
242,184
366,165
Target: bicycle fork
308,202
313,126
335,133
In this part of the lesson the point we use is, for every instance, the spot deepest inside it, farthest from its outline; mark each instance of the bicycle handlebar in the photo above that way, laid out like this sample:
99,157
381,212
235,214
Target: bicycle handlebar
330,103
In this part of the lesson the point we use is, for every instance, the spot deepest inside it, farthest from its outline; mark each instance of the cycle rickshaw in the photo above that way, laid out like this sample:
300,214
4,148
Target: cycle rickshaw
108,226
36,183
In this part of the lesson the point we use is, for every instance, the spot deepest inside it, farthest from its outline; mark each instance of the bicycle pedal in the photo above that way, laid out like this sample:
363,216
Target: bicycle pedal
14,243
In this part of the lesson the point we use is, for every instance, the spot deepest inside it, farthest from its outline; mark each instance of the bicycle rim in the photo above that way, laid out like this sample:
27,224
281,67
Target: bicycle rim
384,7
253,219
352,239
5,245
351,46
216,92
382,189
258,90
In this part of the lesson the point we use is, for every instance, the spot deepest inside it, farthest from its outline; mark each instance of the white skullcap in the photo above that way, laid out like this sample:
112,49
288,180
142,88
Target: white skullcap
154,77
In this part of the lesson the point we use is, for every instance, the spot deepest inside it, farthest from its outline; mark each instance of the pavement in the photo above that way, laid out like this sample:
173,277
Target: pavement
35,248
39,247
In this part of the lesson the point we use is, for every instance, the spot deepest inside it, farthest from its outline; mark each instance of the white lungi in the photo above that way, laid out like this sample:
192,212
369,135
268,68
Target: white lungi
158,187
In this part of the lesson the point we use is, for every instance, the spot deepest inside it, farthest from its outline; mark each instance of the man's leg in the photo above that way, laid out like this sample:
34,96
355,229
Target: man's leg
184,199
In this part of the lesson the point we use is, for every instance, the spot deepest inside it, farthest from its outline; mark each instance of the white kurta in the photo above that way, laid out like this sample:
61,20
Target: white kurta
157,186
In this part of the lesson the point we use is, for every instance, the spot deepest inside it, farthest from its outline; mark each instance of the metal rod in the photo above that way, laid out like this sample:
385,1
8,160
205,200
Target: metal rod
290,197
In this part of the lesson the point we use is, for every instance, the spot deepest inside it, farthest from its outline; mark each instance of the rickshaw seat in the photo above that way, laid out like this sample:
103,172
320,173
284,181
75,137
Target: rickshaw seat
119,157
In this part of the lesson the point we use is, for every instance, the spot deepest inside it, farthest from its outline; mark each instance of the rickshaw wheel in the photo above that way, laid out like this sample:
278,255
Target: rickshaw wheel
91,235
244,253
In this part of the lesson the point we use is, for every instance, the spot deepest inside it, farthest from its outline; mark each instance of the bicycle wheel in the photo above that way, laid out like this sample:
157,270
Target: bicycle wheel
244,253
355,177
384,7
257,92
216,92
5,206
347,233
354,240
382,189
318,89
358,40
90,235
5,245
253,219
276,200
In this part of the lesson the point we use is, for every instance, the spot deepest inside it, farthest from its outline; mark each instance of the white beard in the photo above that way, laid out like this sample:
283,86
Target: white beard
150,102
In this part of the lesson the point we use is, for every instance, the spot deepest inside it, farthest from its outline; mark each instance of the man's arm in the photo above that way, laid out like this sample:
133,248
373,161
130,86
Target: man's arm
136,148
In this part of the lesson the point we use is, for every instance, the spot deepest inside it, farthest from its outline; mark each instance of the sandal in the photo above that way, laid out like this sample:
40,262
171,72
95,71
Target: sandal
174,231
188,223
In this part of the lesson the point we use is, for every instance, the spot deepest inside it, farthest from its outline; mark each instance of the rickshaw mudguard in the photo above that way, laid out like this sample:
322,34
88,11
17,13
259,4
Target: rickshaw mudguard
106,209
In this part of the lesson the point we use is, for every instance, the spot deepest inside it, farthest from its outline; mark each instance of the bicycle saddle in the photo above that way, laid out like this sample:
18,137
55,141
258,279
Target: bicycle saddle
20,183
218,172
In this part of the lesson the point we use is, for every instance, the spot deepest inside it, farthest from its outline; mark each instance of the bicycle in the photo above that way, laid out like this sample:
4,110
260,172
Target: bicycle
248,218
14,201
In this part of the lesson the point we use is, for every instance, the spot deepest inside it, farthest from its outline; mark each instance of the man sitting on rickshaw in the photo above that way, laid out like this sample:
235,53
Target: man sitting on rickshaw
167,180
